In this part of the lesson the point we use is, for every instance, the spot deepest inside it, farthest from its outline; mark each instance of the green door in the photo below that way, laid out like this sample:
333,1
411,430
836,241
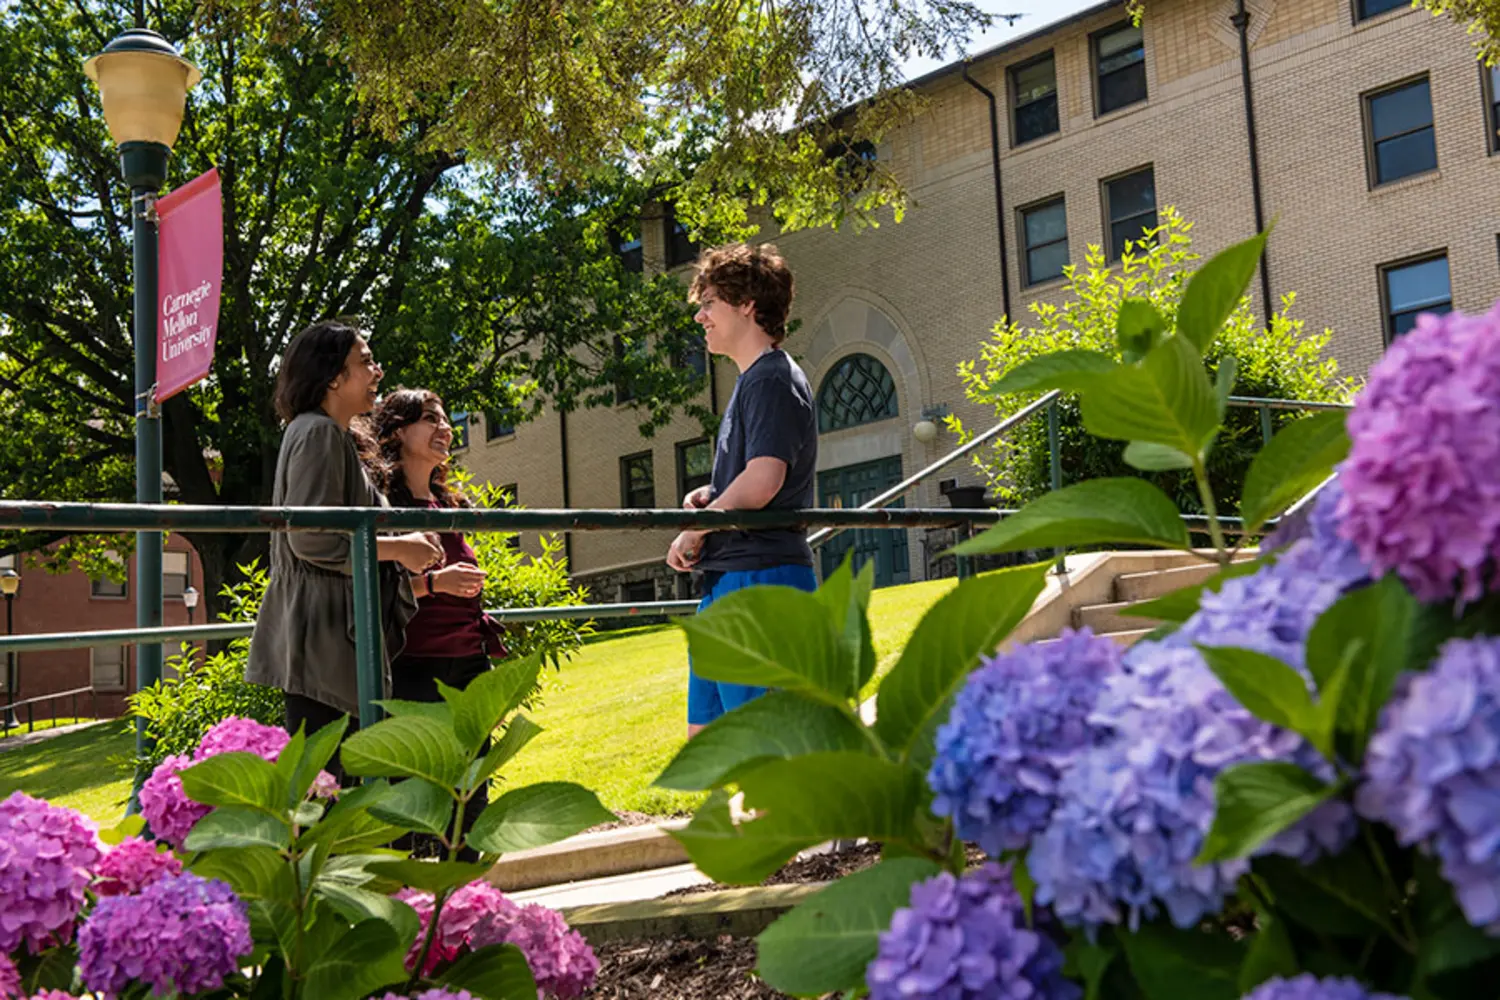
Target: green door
849,487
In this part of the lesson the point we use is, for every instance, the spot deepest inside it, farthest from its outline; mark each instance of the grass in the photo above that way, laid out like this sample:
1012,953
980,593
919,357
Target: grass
84,770
615,714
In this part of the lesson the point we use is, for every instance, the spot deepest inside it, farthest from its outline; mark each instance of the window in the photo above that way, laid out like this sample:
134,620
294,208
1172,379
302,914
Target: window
637,591
1412,288
107,665
637,481
105,588
496,427
859,390
1033,87
460,422
630,252
1399,124
1492,100
695,465
174,574
854,162
1364,9
625,387
680,248
1045,228
1119,68
1129,209
694,356
9,562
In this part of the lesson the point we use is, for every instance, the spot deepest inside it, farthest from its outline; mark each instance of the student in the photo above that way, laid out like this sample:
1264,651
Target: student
304,638
767,449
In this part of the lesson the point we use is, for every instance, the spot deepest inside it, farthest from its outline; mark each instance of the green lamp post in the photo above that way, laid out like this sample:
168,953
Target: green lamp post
143,84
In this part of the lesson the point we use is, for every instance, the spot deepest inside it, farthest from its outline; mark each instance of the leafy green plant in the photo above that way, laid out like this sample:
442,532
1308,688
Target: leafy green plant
1279,360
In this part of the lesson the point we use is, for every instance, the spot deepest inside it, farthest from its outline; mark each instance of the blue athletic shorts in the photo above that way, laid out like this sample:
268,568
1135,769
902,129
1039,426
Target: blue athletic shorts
707,700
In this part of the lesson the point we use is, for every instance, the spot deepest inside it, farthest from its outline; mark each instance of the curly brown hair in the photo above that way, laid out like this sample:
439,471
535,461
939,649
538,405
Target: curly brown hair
402,408
741,273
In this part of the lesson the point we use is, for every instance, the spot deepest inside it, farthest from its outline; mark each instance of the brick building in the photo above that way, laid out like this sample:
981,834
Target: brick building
1378,139
69,602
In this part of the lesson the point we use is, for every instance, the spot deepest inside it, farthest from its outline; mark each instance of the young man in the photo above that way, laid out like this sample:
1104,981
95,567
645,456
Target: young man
767,451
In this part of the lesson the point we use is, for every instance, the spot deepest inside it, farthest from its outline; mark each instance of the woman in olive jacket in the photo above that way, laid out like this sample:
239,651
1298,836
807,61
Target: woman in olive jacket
304,637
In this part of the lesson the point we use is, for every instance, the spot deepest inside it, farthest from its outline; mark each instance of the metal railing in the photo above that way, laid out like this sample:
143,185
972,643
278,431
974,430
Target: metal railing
8,710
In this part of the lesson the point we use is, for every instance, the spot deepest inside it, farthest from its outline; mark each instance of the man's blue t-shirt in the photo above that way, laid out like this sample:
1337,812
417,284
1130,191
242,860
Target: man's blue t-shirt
771,413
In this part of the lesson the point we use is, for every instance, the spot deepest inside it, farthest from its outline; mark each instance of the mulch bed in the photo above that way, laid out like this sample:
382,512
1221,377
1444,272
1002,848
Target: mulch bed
626,818
679,970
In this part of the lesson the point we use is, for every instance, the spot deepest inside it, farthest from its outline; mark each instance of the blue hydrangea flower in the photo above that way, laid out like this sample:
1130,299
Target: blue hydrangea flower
1016,726
1309,987
1432,771
967,939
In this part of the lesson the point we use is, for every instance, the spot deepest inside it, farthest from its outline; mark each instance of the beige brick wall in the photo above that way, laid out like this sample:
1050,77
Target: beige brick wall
921,296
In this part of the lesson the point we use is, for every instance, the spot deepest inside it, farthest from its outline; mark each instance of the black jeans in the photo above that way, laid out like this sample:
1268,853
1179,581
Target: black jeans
301,710
415,678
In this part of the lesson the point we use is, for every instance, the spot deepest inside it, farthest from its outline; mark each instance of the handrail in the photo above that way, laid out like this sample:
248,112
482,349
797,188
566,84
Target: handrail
8,710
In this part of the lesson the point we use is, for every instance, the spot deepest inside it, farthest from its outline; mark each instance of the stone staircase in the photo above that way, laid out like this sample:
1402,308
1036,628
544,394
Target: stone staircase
1130,589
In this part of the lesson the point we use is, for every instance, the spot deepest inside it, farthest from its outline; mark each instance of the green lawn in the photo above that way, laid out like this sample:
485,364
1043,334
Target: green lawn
85,770
616,713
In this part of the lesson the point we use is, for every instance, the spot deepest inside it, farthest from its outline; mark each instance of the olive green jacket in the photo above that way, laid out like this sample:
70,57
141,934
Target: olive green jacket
304,637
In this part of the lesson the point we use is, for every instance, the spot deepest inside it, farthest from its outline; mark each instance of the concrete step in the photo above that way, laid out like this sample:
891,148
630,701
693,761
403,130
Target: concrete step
1104,618
1145,586
1125,638
625,888
591,856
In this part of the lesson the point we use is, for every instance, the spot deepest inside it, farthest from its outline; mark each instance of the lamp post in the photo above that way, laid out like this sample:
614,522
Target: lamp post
143,84
10,583
190,601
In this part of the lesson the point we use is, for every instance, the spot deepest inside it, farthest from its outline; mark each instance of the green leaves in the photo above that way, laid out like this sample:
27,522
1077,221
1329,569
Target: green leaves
1099,511
803,801
1138,328
494,972
1165,960
771,637
535,816
779,724
1255,802
825,943
847,598
1068,370
1216,288
966,623
235,779
415,804
429,876
1166,399
1298,458
491,696
409,746
364,959
1372,630
233,826
1274,692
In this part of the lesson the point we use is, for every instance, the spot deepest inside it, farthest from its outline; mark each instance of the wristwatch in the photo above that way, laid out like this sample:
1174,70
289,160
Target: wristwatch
427,575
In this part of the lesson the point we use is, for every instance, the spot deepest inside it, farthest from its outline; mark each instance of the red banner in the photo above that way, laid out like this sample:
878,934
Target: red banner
190,252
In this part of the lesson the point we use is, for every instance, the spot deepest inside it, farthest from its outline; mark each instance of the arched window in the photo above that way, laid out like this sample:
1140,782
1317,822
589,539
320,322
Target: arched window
858,391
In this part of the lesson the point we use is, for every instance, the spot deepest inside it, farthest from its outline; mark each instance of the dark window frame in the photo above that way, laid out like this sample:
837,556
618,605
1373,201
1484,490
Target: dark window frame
1387,317
1109,223
1011,75
1026,248
829,409
1097,78
1489,83
1360,17
677,247
683,487
631,251
1366,100
96,595
123,684
626,501
495,429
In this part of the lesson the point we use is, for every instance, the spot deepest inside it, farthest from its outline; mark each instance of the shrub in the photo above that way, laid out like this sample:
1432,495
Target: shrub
1276,361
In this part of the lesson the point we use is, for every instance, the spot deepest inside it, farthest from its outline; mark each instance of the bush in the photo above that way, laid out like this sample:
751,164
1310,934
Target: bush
1278,361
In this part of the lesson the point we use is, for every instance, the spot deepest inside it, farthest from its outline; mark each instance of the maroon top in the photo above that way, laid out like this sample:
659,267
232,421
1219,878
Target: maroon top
449,625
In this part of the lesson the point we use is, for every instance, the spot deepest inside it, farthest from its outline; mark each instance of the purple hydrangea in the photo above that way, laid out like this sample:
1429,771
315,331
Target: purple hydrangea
462,913
1310,987
51,995
132,865
967,939
181,932
239,735
47,854
1432,771
1019,722
165,806
1136,809
1422,480
561,961
10,978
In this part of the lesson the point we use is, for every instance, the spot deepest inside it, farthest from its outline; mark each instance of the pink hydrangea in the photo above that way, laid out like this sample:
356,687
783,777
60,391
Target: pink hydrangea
461,914
1422,480
132,865
165,806
561,960
47,854
10,978
237,735
51,995
324,786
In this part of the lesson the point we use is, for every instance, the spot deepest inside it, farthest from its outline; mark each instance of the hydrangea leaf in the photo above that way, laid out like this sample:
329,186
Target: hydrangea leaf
1271,953
364,959
319,750
406,747
1088,961
232,826
1216,288
235,779
437,711
349,827
428,876
494,972
1119,511
415,804
771,637
780,724
1150,457
803,801
130,826
847,598
1163,959
519,731
965,624
1270,690
252,872
1371,629
1334,895
54,969
1448,943
357,904
1138,328
1229,367
825,942
1182,603
1165,399
535,816
1299,457
492,696
1255,802
1068,370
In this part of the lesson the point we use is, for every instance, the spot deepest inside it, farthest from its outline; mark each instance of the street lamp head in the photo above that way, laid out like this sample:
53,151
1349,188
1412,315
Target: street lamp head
143,83
190,597
10,582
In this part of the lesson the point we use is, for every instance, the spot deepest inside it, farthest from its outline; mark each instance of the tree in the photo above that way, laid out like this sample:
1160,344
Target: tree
495,296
